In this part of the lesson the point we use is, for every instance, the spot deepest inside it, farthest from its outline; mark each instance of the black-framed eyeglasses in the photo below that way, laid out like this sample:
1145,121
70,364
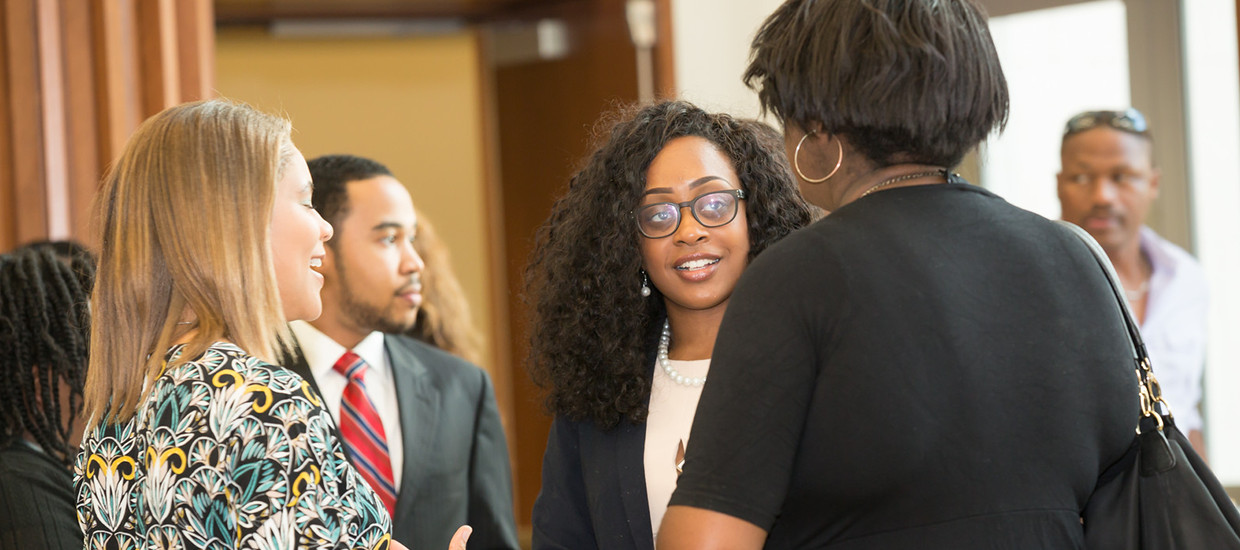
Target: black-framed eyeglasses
1129,120
713,209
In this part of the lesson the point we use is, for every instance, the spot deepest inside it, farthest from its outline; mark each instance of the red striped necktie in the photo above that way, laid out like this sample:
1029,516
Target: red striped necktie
362,431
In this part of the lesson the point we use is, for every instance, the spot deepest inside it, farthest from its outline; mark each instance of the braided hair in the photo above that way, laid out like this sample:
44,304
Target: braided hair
44,337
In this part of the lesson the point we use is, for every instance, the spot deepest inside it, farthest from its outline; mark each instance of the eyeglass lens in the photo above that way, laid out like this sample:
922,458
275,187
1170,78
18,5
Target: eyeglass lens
710,210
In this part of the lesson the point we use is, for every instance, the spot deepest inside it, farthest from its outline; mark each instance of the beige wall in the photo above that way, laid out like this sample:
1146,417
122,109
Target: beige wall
412,103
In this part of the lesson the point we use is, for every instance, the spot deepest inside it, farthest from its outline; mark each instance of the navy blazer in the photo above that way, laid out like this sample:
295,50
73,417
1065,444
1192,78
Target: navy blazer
594,484
593,489
455,468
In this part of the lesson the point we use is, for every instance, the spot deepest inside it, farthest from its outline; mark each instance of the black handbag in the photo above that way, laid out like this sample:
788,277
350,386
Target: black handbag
1160,495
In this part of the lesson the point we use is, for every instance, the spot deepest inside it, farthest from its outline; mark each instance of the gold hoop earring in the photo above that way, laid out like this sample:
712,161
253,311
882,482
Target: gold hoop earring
797,165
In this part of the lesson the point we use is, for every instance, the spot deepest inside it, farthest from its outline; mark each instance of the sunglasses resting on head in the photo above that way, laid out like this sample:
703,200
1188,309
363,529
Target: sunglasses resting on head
1128,120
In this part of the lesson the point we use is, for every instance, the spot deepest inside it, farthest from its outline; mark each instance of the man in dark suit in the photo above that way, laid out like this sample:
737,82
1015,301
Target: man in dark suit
421,425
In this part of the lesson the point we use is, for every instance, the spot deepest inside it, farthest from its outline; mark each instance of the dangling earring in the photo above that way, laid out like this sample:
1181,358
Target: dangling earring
645,285
797,165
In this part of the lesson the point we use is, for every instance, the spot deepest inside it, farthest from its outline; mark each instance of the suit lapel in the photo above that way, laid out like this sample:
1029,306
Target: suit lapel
631,473
419,419
631,460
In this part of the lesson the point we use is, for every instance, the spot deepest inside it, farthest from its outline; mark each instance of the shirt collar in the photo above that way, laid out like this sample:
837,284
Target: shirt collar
321,352
1162,263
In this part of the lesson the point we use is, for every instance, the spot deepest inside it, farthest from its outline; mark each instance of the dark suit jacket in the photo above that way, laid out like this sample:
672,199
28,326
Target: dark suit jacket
593,489
456,459
594,483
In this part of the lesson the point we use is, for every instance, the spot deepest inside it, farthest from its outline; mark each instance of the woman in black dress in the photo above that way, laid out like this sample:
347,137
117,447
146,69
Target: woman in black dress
928,366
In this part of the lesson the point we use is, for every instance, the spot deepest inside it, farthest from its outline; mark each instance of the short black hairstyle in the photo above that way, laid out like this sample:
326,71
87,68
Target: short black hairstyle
44,340
914,81
330,174
591,329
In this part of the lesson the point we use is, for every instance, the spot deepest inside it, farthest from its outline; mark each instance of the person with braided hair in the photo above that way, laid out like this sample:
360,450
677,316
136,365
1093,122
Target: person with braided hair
44,337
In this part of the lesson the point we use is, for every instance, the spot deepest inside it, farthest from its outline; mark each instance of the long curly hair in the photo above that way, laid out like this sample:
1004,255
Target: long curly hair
44,341
591,330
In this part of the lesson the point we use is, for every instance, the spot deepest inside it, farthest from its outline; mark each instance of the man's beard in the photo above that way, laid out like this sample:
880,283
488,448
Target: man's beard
366,316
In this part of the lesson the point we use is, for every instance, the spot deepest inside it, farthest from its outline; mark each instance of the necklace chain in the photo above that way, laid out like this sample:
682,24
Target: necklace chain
664,341
905,177
1136,293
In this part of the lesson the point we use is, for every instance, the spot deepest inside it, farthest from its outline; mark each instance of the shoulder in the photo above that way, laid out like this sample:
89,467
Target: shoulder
224,364
20,463
421,359
228,387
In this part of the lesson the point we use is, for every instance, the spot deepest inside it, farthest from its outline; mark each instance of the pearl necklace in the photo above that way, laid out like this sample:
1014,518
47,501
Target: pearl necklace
664,341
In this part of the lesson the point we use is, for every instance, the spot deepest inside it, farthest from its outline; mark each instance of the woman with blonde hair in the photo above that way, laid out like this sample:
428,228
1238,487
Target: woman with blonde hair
194,438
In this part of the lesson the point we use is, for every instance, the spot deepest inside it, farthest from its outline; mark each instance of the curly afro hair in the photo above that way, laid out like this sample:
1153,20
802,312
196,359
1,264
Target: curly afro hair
592,333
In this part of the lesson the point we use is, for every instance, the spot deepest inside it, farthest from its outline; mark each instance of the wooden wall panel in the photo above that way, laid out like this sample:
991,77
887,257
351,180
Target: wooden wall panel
50,87
82,129
196,49
116,69
664,53
8,222
161,76
28,211
76,83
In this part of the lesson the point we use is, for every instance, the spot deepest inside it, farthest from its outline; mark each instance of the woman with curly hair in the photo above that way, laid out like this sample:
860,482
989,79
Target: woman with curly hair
629,280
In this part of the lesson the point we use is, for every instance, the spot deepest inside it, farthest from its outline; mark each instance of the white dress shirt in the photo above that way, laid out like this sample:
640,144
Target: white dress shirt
321,353
1174,327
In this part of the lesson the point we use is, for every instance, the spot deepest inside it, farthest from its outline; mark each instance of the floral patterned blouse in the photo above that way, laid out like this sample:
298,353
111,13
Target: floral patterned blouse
225,452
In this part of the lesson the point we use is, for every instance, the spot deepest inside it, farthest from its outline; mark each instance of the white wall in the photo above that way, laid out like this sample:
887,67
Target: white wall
1054,70
1212,89
711,48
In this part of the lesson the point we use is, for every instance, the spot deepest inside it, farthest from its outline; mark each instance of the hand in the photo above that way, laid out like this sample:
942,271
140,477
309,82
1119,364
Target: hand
459,539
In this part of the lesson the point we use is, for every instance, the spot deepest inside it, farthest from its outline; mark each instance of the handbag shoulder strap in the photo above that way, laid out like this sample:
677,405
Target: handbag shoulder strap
1151,393
1134,331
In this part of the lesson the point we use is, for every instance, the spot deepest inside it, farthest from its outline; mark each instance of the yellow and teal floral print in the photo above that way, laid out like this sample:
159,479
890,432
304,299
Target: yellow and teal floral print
225,452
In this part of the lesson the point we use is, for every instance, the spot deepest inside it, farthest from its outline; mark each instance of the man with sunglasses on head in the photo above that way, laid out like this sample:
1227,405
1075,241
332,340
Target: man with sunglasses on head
1106,185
